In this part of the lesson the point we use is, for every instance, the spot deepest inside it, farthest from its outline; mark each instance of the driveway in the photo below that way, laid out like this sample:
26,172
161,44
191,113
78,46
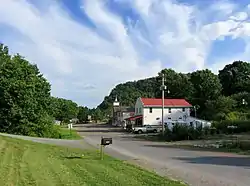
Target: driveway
198,168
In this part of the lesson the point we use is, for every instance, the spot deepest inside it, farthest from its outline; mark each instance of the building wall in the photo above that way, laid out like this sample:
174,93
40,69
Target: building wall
154,117
139,108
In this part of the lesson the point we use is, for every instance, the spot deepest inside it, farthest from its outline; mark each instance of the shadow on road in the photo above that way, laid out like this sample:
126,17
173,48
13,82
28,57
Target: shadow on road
184,147
133,137
217,160
101,130
94,125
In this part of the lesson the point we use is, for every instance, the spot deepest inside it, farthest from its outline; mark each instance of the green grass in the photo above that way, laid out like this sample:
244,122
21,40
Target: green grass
25,163
66,134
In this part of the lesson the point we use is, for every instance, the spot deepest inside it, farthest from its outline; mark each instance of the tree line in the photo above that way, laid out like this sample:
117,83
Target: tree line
225,96
26,104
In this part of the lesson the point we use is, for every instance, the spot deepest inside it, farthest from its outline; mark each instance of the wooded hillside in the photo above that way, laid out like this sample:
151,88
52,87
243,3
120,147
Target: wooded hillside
218,97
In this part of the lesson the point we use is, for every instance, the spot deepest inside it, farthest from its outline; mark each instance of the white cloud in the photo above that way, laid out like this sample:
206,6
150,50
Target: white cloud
83,65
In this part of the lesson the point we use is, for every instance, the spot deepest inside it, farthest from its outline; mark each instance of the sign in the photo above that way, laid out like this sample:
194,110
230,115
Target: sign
70,126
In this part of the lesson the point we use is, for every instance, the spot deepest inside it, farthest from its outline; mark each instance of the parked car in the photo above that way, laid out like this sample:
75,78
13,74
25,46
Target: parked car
147,129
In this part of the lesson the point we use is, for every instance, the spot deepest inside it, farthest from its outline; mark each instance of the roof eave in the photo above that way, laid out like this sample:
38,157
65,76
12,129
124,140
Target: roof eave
179,106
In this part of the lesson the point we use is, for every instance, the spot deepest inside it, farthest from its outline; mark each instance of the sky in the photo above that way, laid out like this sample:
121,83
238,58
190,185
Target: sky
86,47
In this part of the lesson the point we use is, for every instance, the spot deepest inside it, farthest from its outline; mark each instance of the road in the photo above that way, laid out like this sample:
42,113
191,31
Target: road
198,168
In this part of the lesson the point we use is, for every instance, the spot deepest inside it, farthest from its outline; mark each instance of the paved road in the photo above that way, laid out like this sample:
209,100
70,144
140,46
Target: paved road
62,142
196,168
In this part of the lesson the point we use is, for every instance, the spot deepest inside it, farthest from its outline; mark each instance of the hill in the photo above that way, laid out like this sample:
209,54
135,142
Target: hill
215,96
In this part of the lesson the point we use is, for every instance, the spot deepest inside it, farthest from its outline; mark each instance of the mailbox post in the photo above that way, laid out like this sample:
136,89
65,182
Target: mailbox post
70,126
104,142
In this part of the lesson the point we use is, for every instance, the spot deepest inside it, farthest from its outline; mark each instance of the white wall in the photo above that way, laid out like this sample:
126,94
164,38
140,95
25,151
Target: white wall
154,118
139,108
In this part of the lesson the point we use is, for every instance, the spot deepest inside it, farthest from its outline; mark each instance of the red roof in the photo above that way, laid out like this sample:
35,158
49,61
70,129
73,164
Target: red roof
167,102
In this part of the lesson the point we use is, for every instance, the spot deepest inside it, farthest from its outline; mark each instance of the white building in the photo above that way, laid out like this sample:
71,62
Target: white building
150,110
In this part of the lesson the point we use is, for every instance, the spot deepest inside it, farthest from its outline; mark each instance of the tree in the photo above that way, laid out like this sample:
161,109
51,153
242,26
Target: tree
178,84
219,108
83,114
206,85
24,97
235,78
64,109
97,114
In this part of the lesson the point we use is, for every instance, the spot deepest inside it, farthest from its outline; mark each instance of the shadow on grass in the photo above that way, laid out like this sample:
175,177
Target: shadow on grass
218,160
74,157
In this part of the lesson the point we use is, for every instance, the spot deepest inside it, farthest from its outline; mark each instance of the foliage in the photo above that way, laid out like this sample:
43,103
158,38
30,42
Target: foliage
217,97
53,165
183,132
225,126
24,96
26,106
83,113
235,78
218,109
64,109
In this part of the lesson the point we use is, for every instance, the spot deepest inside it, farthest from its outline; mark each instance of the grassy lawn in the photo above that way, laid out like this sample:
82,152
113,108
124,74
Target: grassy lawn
65,134
26,163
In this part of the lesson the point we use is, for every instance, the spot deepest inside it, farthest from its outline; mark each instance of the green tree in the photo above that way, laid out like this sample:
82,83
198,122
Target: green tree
64,109
219,108
206,87
235,78
83,114
24,97
178,84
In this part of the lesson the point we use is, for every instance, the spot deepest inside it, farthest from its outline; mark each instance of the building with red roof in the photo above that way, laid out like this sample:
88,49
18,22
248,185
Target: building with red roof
148,111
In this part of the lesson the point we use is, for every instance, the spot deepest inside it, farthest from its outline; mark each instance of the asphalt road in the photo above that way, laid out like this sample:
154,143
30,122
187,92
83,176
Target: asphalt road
198,168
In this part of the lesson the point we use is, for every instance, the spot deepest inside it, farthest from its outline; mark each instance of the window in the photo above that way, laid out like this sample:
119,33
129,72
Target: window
136,110
169,110
180,117
150,110
157,118
183,109
139,110
169,118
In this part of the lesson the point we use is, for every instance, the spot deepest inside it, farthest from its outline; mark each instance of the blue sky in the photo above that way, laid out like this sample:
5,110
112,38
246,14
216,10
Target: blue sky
86,47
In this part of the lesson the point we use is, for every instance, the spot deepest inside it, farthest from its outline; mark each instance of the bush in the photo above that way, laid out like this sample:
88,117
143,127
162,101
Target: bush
183,132
223,126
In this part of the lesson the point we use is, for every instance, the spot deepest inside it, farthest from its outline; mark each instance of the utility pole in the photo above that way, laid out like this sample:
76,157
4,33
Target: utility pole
163,87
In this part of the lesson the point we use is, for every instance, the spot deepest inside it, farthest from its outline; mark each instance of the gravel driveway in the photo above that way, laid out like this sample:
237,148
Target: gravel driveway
68,143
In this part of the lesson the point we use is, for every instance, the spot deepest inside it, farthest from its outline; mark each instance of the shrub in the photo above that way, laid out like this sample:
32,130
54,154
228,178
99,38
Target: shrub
183,132
241,126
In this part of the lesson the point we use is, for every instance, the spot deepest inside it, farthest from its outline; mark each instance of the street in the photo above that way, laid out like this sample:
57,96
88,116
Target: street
198,168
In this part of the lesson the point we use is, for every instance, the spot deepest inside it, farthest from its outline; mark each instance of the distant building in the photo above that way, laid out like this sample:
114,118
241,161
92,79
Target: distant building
148,111
121,113
57,122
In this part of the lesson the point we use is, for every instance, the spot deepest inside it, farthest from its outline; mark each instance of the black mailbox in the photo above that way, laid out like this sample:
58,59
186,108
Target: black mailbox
106,141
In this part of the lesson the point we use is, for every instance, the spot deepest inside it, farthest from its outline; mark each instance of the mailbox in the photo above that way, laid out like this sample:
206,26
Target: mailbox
106,141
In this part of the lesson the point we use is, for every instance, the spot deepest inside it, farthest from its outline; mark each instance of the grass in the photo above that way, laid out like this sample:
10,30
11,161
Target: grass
25,163
66,134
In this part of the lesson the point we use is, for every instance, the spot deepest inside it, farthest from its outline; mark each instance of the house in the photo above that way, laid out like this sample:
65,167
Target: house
148,111
121,113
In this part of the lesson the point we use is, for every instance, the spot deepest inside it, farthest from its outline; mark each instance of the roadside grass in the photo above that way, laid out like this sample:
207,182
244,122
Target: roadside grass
65,133
25,163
